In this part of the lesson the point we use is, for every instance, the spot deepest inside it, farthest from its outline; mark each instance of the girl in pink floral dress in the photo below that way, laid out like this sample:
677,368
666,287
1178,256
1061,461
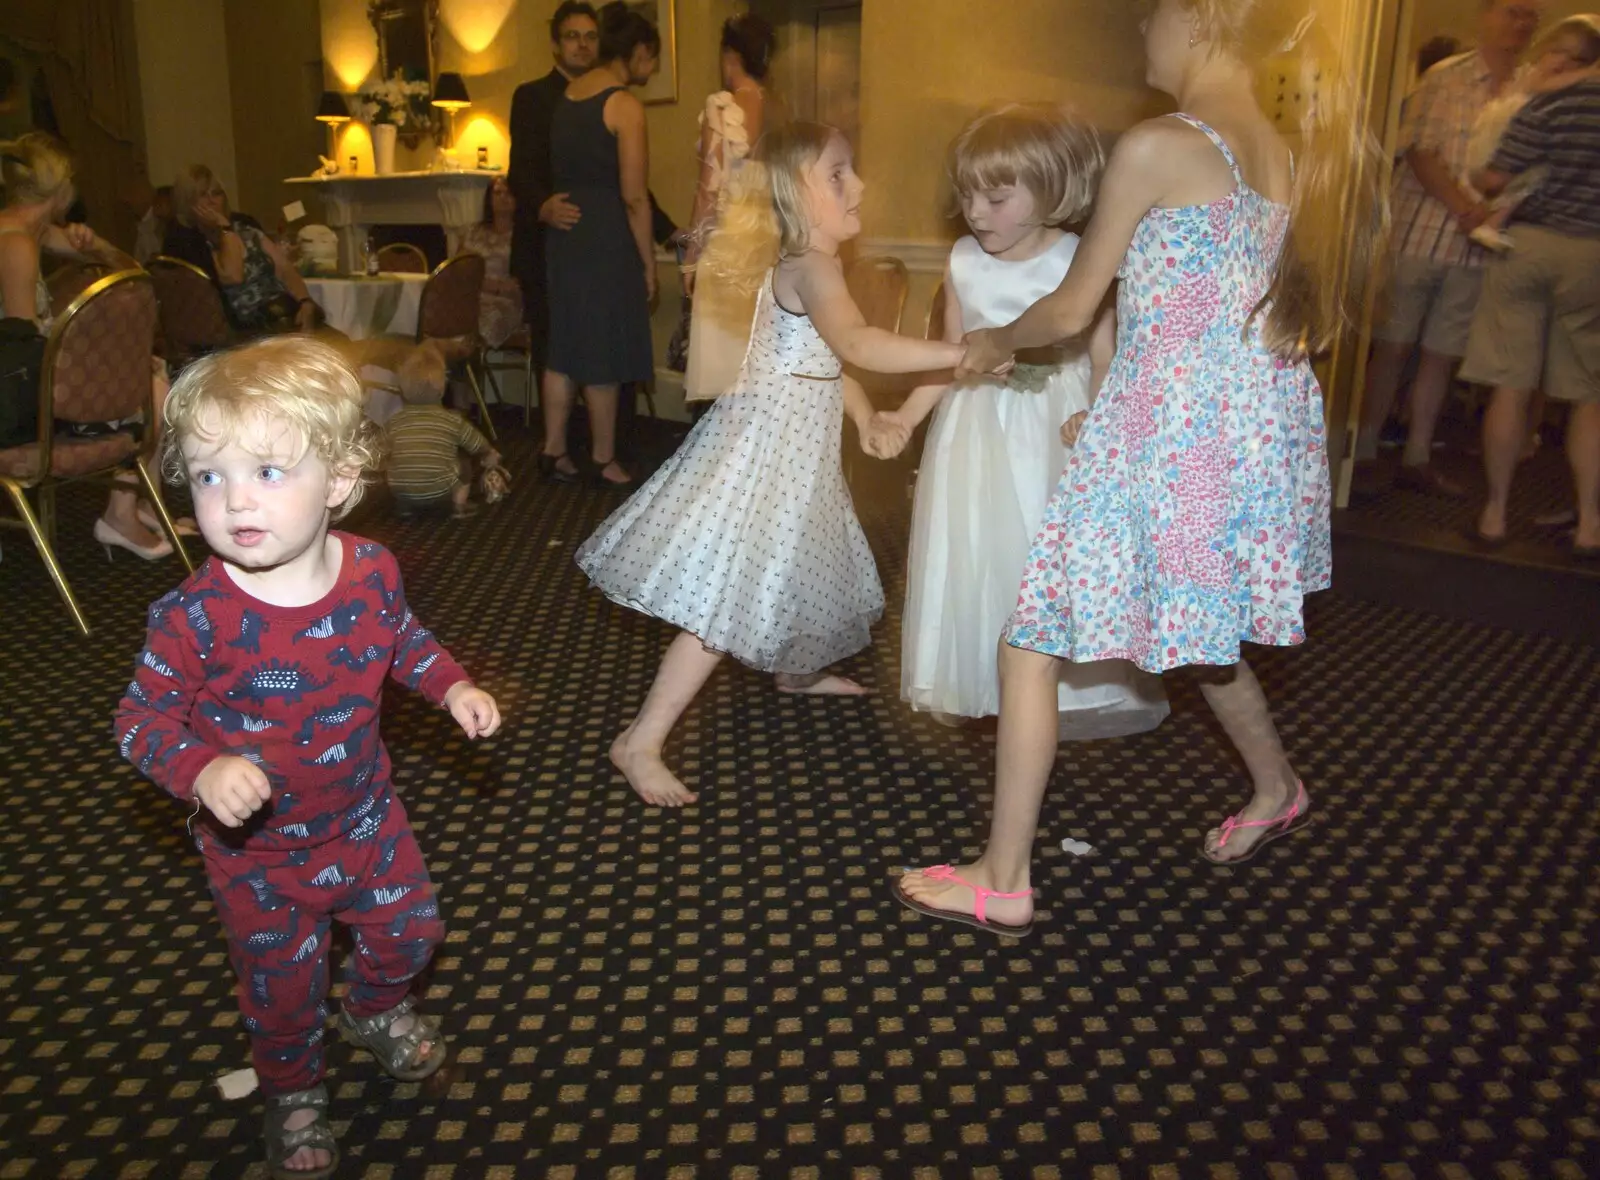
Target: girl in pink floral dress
1193,514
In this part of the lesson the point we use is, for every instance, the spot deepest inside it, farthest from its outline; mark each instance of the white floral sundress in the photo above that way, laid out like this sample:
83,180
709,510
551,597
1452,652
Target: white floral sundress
1193,514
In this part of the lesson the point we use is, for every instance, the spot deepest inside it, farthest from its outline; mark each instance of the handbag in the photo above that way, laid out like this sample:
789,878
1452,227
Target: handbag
21,367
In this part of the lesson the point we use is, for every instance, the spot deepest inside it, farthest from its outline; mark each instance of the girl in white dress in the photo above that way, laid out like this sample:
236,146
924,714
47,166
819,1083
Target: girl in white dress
746,539
998,445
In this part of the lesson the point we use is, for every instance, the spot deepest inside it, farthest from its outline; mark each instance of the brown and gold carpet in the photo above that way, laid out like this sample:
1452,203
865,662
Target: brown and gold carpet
731,991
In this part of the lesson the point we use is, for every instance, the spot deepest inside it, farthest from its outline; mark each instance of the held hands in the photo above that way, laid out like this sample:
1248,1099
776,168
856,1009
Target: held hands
986,354
233,789
559,213
473,709
1072,427
885,435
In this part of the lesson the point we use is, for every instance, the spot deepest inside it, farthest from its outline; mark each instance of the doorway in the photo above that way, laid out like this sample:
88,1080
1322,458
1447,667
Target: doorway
816,74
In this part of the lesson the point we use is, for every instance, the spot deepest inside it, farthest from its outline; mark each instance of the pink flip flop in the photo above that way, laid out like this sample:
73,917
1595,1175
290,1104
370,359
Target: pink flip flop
1290,822
974,919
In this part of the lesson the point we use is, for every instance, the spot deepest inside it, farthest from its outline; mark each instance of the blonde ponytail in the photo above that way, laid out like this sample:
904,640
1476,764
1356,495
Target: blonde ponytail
1339,213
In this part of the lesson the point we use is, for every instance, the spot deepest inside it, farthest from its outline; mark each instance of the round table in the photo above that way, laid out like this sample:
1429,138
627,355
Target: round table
361,307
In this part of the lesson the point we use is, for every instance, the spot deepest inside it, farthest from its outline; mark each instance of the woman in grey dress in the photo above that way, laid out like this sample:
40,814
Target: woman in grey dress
601,270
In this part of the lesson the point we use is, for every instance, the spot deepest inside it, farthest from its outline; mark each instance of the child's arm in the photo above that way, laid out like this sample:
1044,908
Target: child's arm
471,440
421,662
1148,162
152,724
924,398
825,298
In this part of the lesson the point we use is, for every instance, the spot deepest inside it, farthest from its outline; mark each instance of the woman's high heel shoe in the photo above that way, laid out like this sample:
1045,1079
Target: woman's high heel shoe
550,469
110,538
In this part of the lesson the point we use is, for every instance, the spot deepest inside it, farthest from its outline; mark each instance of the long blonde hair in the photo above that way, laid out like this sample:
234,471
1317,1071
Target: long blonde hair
765,218
34,168
1339,213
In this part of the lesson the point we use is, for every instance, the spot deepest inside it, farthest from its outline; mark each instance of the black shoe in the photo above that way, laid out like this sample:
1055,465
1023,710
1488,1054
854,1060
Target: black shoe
598,479
550,470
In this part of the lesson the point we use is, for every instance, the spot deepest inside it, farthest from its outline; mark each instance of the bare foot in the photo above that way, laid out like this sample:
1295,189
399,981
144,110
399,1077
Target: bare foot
306,1159
938,891
1270,806
648,775
822,684
1492,524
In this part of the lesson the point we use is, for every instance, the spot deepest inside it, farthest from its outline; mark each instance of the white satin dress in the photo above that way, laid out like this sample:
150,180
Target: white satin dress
992,458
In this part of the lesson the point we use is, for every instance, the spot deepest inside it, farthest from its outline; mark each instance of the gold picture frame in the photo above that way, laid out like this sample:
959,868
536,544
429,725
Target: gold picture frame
663,88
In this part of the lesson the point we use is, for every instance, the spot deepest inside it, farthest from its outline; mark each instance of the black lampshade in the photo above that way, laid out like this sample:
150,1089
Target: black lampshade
332,108
450,92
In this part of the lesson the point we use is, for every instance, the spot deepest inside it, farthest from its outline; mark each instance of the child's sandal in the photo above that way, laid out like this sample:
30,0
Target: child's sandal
282,1143
400,1056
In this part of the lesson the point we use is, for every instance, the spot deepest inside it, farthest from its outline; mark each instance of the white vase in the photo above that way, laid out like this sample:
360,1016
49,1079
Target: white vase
383,137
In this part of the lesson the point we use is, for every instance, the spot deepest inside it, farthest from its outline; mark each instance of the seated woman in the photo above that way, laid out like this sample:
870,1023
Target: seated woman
36,171
262,292
500,311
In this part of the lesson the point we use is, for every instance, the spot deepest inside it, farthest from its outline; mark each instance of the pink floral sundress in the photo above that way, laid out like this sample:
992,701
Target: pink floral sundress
1193,515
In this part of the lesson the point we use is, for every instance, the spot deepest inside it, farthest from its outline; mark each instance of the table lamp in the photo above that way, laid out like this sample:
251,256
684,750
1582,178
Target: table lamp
450,94
332,111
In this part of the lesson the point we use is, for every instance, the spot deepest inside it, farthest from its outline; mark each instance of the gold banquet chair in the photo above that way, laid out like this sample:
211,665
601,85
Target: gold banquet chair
449,317
402,258
96,369
193,320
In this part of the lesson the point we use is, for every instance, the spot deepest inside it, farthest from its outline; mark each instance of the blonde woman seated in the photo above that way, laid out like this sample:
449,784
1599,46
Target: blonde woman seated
36,171
261,290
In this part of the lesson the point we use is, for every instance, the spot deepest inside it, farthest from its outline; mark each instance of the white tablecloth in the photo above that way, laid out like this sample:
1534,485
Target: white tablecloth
362,307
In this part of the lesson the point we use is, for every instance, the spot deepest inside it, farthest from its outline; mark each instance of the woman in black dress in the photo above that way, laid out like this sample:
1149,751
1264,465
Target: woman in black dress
601,271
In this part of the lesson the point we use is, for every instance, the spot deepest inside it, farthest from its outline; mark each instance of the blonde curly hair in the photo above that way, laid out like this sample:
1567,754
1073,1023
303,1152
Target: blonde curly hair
294,380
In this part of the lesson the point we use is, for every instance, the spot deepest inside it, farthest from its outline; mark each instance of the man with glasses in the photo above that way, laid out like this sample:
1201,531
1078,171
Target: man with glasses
1438,271
575,44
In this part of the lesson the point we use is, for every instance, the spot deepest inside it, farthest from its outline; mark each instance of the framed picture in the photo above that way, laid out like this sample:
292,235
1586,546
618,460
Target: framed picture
663,14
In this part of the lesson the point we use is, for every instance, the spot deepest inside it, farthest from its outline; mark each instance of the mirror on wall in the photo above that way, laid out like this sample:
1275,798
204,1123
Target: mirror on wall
406,32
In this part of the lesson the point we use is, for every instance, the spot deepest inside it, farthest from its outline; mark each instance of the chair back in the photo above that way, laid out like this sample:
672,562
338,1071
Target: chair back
879,286
66,283
97,358
192,317
934,329
403,258
450,299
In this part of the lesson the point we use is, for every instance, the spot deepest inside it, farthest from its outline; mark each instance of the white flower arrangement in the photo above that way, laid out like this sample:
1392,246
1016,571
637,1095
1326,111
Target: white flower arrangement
396,100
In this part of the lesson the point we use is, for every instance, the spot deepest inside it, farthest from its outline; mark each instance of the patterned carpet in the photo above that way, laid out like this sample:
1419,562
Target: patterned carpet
732,992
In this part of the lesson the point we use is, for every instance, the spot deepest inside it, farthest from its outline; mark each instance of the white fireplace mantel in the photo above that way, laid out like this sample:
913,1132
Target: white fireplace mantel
352,204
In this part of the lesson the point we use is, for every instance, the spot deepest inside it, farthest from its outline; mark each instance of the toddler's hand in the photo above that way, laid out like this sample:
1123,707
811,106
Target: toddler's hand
1072,427
473,709
233,789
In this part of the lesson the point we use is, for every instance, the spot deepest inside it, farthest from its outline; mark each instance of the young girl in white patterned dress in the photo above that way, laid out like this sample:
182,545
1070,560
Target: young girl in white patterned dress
997,444
746,539
1193,515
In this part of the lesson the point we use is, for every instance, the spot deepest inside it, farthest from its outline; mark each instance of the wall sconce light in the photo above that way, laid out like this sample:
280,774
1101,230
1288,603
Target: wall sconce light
450,94
332,111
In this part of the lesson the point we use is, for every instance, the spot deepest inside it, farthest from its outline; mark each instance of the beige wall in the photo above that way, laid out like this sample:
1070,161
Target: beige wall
929,66
184,87
275,65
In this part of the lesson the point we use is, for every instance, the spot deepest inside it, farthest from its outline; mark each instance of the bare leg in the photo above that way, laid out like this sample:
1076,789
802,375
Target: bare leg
1428,393
602,403
122,505
1383,380
1235,696
1505,425
1025,754
1583,452
637,751
1530,447
557,407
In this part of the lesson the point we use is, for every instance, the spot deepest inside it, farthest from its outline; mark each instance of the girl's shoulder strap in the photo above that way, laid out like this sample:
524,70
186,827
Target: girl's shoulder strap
1221,144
